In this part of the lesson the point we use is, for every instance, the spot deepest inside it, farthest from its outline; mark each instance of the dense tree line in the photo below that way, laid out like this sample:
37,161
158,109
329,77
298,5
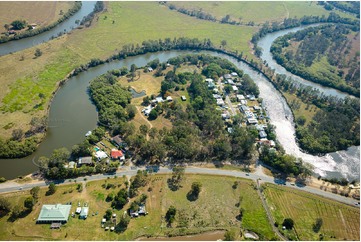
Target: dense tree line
295,22
87,20
16,149
288,164
335,127
193,13
354,8
32,32
328,41
110,99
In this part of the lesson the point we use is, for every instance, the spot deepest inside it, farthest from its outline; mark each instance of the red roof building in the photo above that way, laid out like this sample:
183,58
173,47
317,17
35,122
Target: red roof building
117,154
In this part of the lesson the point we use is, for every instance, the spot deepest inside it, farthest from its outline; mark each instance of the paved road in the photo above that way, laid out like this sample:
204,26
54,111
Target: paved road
230,106
12,186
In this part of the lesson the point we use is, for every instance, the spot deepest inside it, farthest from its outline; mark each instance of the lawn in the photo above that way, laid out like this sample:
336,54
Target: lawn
340,221
259,12
214,209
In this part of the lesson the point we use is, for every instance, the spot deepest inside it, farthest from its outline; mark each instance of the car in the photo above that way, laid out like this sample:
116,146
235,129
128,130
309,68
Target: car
292,184
247,174
20,188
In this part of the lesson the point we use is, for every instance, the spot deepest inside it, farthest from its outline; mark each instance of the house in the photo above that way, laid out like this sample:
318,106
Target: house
169,99
141,210
230,82
244,108
262,134
215,90
117,140
230,130
244,102
225,115
251,97
84,213
211,85
252,121
159,99
240,97
227,76
220,102
147,110
54,213
117,154
183,98
88,160
259,127
235,88
234,74
100,155
209,80
216,96
249,114
150,69
257,108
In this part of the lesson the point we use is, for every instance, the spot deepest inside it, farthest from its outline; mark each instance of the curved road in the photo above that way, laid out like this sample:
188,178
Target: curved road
12,186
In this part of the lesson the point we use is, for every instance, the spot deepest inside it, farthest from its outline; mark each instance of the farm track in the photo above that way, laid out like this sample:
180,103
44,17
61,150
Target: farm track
269,215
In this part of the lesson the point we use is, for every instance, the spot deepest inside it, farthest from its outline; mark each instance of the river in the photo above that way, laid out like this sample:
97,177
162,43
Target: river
72,115
65,26
266,42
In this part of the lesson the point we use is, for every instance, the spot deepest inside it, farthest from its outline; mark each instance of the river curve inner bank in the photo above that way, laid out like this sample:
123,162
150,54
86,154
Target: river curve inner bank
72,114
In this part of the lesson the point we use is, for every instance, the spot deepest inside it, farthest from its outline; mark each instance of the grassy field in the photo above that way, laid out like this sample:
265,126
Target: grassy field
133,23
214,209
41,13
259,12
340,221
123,23
300,108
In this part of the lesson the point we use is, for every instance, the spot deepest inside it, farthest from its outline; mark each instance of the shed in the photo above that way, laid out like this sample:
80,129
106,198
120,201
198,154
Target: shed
71,165
104,220
234,74
235,88
209,80
169,99
183,98
84,212
54,213
55,225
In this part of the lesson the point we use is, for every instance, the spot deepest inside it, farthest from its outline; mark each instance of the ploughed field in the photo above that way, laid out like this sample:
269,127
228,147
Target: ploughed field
339,221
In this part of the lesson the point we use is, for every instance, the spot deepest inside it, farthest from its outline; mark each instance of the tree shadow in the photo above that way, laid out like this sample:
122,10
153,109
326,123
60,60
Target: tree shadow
23,214
191,196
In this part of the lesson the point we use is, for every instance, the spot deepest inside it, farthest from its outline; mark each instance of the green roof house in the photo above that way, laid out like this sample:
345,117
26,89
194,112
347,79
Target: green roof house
54,213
